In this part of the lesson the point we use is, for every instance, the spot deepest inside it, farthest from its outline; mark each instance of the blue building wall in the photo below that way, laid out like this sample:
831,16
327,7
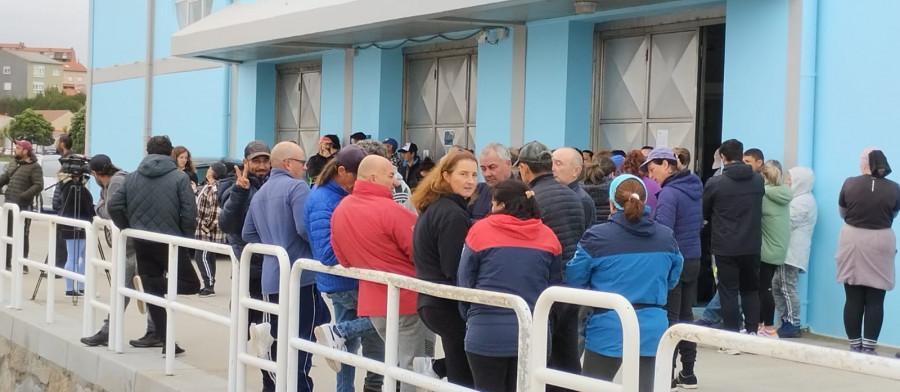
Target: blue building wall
331,120
117,121
193,116
378,92
755,74
118,33
494,93
558,83
855,101
256,104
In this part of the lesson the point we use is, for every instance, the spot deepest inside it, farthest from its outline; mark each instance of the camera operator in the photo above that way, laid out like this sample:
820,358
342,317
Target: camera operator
76,202
25,180
110,178
64,148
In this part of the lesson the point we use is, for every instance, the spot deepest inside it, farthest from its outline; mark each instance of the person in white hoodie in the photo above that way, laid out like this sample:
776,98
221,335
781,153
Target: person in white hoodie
803,221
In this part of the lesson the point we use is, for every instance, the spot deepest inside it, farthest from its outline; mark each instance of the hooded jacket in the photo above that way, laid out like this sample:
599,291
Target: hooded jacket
561,211
679,206
507,255
776,224
317,214
803,217
732,203
157,197
235,201
638,260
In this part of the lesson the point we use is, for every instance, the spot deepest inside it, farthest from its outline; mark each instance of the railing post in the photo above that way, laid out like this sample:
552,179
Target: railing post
18,254
90,277
392,332
51,278
243,316
235,316
172,296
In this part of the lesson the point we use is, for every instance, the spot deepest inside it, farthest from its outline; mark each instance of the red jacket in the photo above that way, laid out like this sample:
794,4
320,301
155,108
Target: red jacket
370,230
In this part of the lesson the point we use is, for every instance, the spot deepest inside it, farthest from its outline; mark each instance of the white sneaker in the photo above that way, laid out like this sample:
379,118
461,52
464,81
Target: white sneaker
424,366
328,337
260,339
139,286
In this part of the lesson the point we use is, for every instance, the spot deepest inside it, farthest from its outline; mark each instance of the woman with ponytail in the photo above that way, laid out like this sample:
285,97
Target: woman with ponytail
635,257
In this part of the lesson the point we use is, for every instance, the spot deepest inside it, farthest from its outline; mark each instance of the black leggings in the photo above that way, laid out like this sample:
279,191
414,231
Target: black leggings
442,317
679,308
863,301
605,368
766,299
493,374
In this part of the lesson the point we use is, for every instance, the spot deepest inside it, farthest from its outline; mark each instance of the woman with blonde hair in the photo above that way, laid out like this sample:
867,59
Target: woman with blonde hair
438,238
776,231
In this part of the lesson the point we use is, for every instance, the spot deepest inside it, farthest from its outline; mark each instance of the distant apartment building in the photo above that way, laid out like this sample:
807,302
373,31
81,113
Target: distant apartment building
74,73
27,74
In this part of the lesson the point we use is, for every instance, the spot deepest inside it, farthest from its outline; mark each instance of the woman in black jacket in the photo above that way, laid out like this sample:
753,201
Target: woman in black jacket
438,239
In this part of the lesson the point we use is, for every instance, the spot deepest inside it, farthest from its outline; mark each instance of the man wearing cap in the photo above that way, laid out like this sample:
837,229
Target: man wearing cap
390,144
208,226
25,181
409,168
275,217
158,198
567,165
562,212
110,178
357,136
334,183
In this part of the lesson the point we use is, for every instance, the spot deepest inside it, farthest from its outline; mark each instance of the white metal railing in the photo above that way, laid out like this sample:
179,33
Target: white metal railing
774,348
170,302
244,303
7,211
541,375
392,373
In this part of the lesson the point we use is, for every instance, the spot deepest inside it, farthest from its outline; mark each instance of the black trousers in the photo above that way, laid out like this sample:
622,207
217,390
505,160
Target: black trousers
206,264
739,275
61,252
153,265
680,309
313,313
493,374
442,317
766,299
605,368
863,312
564,353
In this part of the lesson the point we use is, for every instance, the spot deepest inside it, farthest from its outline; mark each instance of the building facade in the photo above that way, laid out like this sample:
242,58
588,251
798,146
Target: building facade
807,82
27,74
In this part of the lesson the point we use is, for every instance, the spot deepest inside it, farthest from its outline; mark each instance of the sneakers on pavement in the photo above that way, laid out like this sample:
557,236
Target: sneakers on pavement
207,292
767,333
74,293
424,366
148,340
869,351
788,330
686,382
328,336
260,339
98,339
139,286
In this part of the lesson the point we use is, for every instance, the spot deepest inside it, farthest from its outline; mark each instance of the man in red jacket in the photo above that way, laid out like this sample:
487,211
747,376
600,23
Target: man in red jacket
369,230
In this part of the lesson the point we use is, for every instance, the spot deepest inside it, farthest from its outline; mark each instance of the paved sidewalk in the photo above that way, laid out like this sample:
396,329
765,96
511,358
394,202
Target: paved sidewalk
207,344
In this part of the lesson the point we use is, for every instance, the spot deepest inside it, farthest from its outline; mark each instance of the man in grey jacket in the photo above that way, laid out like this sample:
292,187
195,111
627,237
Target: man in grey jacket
158,198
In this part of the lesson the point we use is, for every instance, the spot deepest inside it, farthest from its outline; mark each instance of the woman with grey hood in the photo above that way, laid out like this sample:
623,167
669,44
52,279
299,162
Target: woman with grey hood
803,213
867,247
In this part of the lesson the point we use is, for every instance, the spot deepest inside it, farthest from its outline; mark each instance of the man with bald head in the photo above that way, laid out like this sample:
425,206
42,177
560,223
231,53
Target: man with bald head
369,230
567,165
496,166
275,217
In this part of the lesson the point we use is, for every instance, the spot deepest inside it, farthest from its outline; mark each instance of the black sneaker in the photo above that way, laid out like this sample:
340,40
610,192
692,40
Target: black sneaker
207,292
686,382
74,293
674,386
178,350
99,339
148,340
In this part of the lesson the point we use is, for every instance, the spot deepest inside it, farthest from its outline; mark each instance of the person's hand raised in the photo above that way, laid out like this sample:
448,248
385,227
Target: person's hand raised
240,176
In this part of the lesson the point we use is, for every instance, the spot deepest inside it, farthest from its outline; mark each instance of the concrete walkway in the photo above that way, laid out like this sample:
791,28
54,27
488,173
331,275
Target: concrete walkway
203,366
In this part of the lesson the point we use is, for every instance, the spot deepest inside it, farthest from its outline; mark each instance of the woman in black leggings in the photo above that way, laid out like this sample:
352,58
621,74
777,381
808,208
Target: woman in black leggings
866,248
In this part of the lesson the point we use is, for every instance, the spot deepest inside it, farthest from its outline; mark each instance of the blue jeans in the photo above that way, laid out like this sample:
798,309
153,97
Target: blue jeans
712,313
357,330
75,261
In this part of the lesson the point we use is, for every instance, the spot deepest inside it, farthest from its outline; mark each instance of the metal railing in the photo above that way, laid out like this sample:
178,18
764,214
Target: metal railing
7,211
541,375
170,302
389,368
774,348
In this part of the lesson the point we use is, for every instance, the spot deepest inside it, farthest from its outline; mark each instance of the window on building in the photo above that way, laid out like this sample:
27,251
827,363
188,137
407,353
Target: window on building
55,72
39,71
7,86
68,78
7,70
38,87
80,79
190,11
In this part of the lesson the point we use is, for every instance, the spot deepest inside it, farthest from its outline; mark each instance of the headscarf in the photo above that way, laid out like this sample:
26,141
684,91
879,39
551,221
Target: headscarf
864,160
878,164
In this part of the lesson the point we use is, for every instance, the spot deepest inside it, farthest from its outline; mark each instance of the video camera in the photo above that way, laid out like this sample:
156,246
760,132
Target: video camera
76,166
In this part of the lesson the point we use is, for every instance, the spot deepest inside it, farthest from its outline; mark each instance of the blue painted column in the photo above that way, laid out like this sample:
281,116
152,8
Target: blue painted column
256,105
331,120
493,102
378,92
558,82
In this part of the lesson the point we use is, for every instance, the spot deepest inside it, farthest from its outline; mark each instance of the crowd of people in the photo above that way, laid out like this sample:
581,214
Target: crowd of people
614,221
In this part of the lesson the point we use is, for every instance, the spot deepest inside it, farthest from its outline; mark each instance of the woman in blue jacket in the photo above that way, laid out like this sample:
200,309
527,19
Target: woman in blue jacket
679,206
635,257
510,251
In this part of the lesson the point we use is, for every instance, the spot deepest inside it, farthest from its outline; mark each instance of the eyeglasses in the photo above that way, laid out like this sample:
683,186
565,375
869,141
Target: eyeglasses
302,162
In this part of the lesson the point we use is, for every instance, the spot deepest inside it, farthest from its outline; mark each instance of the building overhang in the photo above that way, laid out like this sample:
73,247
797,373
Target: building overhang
273,29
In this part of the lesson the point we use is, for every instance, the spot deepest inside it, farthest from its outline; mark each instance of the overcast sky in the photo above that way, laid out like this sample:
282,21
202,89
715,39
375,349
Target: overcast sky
46,23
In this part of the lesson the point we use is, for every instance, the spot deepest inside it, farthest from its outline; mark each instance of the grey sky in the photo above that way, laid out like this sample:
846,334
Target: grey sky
46,23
